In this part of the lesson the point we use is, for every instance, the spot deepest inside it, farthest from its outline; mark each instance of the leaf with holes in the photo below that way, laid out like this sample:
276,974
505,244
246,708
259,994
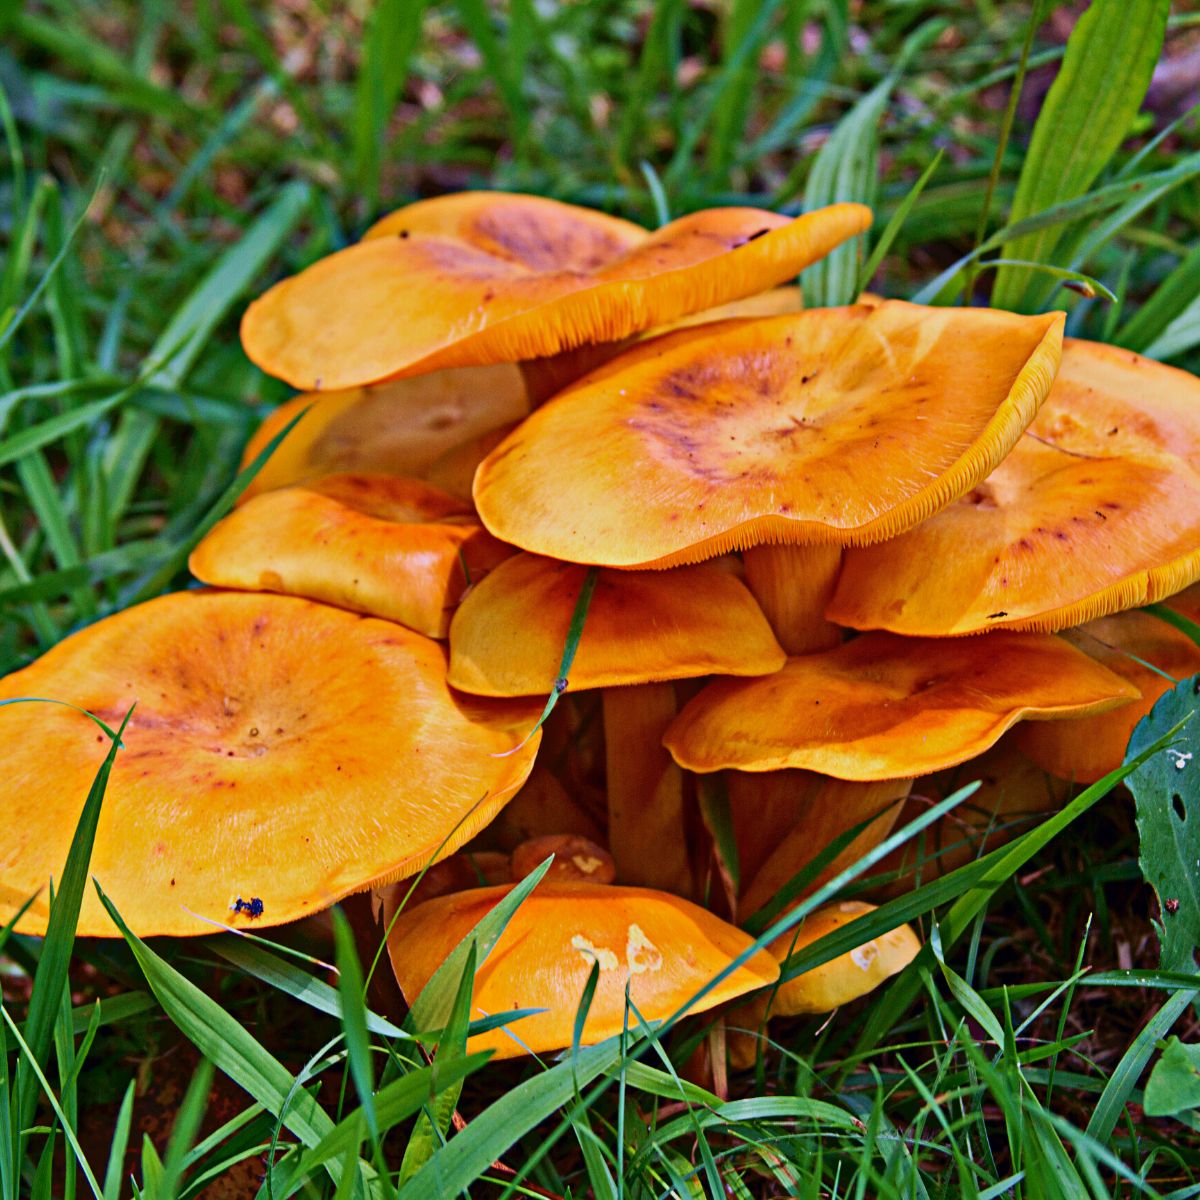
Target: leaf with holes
1167,790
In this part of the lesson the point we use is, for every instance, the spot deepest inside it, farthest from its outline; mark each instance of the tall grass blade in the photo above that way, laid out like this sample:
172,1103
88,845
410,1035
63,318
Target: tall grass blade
430,1129
392,33
50,979
1110,57
352,993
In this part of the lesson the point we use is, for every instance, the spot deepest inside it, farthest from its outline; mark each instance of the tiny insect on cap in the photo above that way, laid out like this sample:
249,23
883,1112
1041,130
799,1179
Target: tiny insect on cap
885,707
833,426
662,948
1097,509
641,626
493,277
281,752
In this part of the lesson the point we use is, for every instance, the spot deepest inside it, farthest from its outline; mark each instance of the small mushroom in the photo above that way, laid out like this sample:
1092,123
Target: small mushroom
576,859
279,749
493,277
403,427
1097,509
393,548
663,948
787,437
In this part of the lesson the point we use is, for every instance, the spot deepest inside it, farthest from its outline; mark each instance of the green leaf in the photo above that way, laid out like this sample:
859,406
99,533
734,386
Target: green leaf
1174,1083
292,980
186,334
394,1102
846,168
1170,299
1166,789
1110,57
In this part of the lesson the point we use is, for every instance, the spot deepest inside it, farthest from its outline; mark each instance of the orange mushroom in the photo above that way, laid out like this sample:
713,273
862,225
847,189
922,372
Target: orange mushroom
492,277
282,753
643,628
825,428
393,548
404,427
882,707
1097,509
872,713
1139,647
663,948
507,636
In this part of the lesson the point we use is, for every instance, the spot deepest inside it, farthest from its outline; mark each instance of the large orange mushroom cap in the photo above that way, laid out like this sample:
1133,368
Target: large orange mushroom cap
664,948
840,425
403,427
885,707
392,548
1139,647
280,750
492,277
1097,509
507,636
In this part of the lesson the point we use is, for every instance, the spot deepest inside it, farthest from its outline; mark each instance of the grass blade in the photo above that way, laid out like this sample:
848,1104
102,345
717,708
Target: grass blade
1104,75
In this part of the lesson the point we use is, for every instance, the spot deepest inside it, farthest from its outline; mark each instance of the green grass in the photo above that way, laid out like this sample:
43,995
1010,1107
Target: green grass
163,163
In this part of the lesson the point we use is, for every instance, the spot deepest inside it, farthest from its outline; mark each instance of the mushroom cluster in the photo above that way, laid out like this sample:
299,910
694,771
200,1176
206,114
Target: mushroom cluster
775,523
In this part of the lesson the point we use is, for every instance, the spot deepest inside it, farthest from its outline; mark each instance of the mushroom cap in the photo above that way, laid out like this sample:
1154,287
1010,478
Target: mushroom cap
886,707
392,548
402,427
835,425
665,948
576,859
494,277
506,639
1097,509
846,977
1088,748
280,750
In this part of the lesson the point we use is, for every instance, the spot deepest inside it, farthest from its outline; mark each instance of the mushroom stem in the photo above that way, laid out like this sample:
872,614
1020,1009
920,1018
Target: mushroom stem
794,815
645,789
792,585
